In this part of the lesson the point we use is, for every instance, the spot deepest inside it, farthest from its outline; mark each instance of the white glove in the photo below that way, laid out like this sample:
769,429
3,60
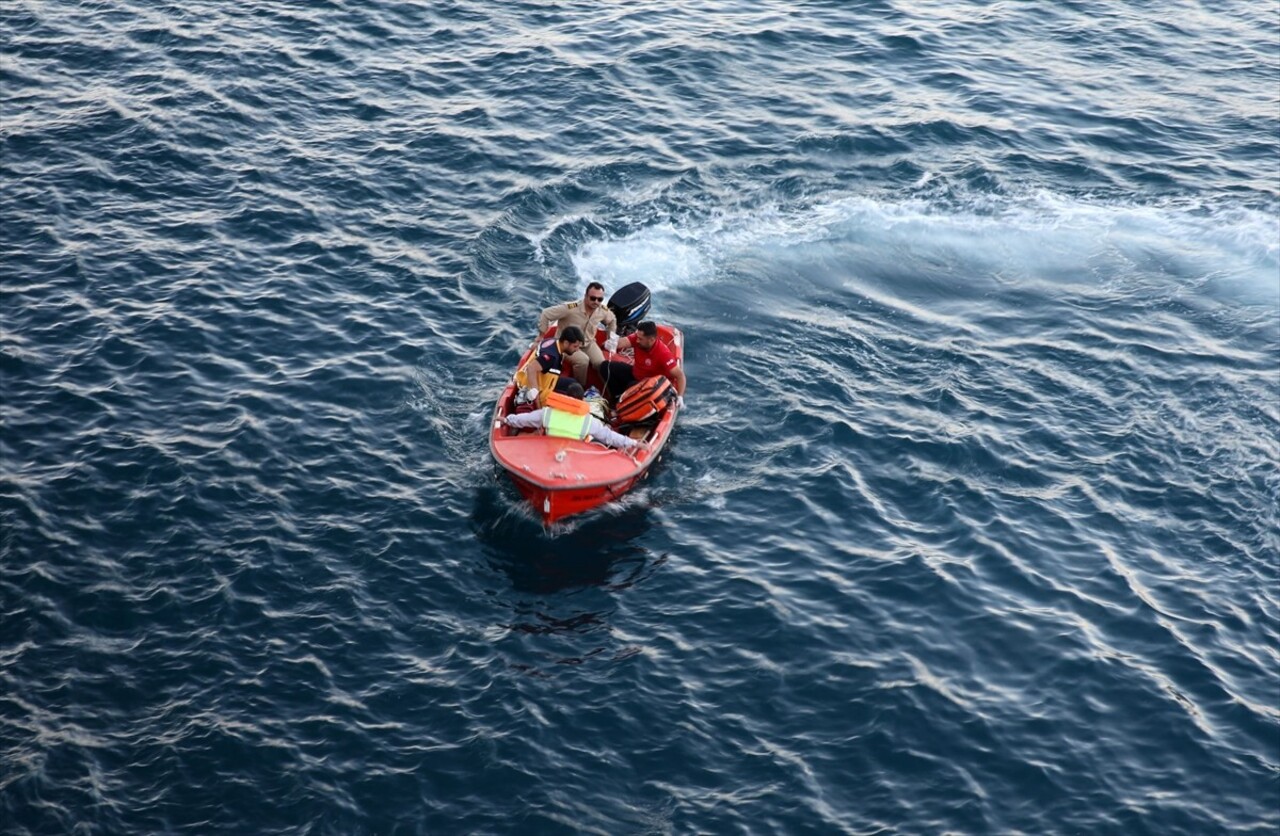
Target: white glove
611,344
528,395
680,401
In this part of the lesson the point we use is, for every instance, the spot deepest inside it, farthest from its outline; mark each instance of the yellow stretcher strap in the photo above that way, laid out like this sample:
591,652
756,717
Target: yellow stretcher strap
546,386
546,381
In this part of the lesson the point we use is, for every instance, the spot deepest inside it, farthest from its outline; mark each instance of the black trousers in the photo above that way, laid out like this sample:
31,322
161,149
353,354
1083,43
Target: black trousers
617,377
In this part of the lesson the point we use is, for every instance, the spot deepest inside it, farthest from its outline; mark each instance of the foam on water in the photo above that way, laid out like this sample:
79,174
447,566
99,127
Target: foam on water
662,256
1234,249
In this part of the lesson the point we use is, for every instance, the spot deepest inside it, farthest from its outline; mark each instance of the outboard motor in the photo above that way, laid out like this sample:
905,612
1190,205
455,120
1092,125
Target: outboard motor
630,304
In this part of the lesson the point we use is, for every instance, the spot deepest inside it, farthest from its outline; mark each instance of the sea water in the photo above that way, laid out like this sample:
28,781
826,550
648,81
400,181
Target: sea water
969,525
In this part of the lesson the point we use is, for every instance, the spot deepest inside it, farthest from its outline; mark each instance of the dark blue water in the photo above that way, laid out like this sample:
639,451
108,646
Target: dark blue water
970,525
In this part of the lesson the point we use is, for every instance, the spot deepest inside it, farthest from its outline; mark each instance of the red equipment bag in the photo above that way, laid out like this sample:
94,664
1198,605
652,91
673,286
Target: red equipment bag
644,399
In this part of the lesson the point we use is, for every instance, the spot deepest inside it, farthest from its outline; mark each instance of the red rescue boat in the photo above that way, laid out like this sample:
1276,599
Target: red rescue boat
561,477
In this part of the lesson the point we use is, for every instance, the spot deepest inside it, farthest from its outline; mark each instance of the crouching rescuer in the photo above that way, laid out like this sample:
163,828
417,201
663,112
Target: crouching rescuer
543,374
566,415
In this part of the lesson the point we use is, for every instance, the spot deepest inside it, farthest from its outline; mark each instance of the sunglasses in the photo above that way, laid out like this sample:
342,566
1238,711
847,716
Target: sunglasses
596,298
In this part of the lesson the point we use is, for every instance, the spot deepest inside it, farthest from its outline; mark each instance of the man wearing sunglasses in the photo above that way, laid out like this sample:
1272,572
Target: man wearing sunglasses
590,314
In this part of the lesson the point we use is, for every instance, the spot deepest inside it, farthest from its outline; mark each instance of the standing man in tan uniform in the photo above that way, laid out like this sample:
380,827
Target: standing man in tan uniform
589,314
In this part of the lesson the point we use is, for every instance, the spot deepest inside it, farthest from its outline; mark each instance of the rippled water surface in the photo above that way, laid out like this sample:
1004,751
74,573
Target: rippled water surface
970,525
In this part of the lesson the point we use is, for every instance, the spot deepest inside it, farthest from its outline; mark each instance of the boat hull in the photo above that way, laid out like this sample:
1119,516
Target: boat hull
561,477
555,504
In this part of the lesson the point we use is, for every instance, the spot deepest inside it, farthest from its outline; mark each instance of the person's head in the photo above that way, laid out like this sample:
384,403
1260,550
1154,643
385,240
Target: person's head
570,339
593,298
573,389
646,334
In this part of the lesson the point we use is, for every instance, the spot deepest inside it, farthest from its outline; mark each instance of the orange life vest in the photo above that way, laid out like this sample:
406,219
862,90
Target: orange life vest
644,399
556,400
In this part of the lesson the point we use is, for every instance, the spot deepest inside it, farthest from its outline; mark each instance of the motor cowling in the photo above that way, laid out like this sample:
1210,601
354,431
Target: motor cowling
630,304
